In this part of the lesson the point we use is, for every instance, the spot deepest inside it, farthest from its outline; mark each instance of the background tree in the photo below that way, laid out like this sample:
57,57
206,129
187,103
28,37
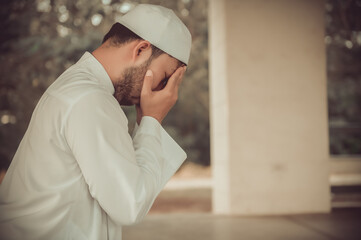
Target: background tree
343,41
41,38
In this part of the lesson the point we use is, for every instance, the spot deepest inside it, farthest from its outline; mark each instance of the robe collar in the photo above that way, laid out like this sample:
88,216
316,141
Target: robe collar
97,69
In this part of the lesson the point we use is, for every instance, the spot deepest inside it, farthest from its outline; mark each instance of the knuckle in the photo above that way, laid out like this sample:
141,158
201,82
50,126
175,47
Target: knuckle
169,95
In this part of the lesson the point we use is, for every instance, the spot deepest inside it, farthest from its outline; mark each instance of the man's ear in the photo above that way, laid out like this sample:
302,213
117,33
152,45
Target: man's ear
142,51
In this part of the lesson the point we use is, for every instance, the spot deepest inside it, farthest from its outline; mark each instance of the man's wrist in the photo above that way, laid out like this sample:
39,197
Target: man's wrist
149,125
156,118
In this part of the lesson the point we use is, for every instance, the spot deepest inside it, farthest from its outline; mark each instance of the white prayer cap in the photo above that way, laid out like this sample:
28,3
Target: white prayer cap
162,28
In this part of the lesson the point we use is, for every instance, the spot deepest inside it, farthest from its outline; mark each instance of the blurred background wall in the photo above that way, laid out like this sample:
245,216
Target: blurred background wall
269,110
272,113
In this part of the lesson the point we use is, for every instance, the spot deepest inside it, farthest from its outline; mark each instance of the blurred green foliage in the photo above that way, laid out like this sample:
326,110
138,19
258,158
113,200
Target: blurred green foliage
343,41
42,38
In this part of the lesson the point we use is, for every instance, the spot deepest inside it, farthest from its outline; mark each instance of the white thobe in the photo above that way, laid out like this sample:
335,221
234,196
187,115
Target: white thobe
77,173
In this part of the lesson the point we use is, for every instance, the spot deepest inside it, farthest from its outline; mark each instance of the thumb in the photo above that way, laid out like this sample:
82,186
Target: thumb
148,82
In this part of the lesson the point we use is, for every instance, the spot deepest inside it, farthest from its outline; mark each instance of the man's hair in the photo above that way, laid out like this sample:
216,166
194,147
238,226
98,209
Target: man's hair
119,35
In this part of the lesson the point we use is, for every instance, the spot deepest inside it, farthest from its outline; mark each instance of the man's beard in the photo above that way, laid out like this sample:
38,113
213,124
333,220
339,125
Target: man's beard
130,84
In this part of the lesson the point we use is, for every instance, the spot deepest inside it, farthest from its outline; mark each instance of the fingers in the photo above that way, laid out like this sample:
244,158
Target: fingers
175,79
147,83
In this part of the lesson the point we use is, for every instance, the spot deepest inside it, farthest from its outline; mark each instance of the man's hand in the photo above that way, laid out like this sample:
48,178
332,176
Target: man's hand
157,104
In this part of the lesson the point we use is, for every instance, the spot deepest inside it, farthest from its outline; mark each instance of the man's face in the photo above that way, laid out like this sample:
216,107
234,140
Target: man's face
129,86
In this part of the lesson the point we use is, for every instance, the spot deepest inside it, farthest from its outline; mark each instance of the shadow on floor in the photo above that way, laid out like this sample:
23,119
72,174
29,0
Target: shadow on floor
342,224
181,201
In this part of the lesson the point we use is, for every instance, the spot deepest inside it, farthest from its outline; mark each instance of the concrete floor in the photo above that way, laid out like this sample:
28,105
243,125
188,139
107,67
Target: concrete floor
340,224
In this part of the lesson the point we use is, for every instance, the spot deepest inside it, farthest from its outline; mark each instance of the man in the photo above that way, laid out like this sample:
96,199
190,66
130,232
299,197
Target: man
77,173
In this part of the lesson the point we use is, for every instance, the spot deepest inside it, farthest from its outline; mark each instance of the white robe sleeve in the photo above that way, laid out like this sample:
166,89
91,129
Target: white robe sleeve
174,155
124,176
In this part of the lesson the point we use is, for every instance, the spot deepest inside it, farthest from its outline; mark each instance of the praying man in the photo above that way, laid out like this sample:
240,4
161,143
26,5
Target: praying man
77,173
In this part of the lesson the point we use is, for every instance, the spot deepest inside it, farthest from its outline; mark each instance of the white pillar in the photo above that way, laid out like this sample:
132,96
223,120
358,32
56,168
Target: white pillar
269,132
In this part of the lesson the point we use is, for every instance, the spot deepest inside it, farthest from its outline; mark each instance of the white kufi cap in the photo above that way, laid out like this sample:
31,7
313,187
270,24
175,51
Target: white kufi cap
162,28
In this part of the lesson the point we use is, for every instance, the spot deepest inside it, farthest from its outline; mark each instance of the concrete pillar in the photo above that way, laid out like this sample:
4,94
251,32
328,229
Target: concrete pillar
269,132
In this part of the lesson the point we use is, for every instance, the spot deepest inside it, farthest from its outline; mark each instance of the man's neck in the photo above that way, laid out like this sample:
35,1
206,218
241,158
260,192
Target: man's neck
113,59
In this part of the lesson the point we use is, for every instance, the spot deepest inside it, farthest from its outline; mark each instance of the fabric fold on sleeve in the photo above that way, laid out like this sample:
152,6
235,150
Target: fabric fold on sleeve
172,153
